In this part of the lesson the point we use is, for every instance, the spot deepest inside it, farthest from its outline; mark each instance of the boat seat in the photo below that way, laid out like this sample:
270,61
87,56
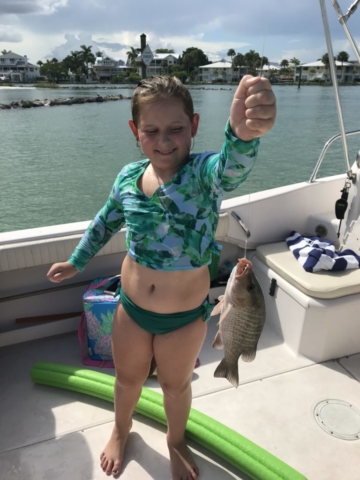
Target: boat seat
323,284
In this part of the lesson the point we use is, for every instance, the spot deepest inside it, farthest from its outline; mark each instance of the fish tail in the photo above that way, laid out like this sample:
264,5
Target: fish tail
228,371
249,356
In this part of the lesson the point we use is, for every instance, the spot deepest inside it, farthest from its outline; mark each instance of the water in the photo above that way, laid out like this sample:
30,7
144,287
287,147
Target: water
58,164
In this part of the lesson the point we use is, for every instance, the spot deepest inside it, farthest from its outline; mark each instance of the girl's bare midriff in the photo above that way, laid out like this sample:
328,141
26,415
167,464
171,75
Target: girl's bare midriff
164,292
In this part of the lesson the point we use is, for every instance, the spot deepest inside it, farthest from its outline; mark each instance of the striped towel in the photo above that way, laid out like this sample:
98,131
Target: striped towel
316,254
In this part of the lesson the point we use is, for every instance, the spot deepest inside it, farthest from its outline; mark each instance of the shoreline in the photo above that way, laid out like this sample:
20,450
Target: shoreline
197,86
61,101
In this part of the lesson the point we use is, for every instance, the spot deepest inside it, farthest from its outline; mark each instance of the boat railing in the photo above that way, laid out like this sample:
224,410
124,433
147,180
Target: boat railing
343,20
325,149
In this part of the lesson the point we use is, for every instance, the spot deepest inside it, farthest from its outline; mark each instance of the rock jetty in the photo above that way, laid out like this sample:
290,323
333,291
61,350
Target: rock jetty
61,101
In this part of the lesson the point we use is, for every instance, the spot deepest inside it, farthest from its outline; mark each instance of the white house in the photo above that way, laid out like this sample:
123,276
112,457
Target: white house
221,71
107,67
159,64
263,71
345,72
17,68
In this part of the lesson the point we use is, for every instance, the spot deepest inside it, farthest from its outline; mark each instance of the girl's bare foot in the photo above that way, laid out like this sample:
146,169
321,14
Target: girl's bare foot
112,455
183,465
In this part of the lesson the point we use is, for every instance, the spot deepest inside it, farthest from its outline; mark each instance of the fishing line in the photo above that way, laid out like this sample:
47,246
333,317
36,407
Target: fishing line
262,55
247,219
250,184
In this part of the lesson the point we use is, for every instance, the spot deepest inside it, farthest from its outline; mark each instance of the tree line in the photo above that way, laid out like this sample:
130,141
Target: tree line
80,63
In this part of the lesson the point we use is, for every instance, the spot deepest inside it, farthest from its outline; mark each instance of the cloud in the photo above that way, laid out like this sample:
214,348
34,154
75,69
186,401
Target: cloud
115,47
21,7
7,34
271,28
74,42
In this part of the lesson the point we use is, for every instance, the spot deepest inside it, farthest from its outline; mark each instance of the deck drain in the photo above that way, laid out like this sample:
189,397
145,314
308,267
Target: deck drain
338,418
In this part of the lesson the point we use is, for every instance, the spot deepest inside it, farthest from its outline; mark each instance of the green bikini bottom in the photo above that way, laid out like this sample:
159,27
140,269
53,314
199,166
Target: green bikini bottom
160,323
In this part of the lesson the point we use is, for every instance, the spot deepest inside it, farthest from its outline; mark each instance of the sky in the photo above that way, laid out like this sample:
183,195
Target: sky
277,29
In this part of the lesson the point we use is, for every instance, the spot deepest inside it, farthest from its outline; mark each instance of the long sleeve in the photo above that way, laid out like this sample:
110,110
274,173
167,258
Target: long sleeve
107,222
225,171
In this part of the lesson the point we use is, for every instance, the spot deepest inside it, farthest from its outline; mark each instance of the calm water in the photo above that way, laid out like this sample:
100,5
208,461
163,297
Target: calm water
58,164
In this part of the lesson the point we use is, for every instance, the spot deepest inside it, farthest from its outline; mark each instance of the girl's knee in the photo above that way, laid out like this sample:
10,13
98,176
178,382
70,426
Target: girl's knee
131,379
175,388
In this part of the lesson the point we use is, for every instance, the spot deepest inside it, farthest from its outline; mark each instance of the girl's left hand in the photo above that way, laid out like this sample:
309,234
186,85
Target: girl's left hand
253,109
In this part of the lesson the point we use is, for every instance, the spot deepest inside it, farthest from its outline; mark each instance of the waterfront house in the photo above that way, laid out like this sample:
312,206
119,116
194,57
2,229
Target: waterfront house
345,71
264,70
217,71
17,68
221,71
159,64
107,67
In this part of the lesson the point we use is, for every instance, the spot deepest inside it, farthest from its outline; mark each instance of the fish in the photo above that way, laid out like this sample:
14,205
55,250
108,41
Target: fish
242,318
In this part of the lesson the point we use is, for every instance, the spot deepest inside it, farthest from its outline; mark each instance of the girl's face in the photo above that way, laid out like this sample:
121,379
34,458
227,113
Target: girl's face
164,132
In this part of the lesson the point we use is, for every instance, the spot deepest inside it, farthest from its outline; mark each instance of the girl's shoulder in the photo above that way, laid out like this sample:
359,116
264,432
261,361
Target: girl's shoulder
133,169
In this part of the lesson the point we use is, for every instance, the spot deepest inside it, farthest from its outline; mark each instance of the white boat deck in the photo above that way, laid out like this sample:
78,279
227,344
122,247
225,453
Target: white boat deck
50,433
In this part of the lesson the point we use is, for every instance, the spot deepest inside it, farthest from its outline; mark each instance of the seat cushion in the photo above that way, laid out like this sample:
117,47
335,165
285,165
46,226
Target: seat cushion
324,284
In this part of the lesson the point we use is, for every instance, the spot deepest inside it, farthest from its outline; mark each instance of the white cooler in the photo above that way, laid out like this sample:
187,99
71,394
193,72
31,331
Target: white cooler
317,314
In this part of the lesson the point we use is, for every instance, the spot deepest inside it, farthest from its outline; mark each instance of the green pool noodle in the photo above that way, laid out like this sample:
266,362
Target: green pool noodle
240,452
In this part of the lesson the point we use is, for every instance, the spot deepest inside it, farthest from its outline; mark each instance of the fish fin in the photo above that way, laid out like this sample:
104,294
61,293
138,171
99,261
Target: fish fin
248,356
217,309
224,313
218,343
228,371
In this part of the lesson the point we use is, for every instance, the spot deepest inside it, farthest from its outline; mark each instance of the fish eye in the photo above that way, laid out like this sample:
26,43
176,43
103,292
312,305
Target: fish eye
250,287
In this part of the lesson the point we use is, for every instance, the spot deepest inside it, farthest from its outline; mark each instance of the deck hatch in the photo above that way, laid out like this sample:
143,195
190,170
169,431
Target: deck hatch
338,418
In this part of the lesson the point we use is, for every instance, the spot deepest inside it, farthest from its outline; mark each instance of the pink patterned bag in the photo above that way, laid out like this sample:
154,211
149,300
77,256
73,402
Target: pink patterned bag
95,327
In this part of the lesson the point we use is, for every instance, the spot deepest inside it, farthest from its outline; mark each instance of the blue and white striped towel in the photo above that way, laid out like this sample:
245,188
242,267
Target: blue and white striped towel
316,254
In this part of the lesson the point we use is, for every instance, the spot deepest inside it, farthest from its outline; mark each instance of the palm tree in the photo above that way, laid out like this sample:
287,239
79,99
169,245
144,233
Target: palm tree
253,61
99,54
325,60
295,61
239,61
39,62
4,52
284,64
87,57
263,61
231,53
342,57
132,55
75,63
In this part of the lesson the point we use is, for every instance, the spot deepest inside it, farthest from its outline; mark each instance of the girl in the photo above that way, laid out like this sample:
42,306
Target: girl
170,203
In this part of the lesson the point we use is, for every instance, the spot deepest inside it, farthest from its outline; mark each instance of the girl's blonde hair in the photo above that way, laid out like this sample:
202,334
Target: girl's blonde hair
157,88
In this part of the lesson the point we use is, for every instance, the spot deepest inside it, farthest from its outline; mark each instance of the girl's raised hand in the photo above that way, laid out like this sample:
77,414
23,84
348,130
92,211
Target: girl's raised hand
253,109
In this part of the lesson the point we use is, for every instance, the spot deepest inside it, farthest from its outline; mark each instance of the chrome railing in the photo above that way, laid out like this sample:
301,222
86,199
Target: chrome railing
325,149
343,19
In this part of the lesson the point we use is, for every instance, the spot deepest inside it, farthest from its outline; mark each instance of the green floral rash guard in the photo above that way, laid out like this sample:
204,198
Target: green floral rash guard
175,228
